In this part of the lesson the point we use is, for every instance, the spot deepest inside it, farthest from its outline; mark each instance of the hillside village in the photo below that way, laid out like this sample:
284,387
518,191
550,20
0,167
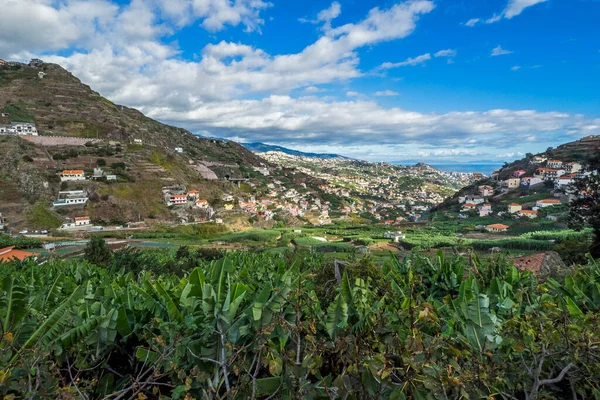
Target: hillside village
93,175
539,189
86,164
389,193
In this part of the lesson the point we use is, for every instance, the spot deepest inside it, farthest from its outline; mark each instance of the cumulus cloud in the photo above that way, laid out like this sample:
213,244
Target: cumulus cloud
499,51
515,68
384,93
512,9
326,16
215,14
126,53
36,25
310,120
411,61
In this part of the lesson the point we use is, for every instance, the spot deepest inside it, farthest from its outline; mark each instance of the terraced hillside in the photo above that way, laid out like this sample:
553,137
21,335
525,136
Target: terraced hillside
79,129
61,105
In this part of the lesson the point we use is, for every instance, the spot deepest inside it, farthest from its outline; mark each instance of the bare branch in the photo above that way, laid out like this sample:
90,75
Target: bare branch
559,377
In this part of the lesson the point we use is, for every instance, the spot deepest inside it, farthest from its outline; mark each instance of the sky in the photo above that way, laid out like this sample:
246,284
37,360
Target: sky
381,80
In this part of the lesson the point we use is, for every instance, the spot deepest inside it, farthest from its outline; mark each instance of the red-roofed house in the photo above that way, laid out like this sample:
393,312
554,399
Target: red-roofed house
528,213
547,203
497,228
200,203
519,173
72,175
8,254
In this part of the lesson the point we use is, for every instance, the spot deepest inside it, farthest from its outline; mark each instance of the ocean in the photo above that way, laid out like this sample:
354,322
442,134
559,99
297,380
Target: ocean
467,167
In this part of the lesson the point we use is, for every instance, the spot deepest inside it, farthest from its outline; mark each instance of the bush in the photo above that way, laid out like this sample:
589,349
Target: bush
97,251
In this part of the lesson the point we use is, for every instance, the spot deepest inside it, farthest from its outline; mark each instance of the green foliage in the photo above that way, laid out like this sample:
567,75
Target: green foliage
19,242
97,251
40,217
251,325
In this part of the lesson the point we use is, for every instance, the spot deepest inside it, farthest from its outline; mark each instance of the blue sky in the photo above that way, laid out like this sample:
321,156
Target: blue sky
434,80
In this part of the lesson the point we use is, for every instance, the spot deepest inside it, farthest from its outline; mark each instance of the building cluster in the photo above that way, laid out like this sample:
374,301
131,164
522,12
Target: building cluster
392,191
18,128
557,174
179,196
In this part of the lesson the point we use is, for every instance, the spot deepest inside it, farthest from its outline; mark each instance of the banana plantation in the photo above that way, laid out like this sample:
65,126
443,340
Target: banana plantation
259,326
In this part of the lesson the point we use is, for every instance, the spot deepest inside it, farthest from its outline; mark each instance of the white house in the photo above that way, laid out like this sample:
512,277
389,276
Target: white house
572,167
556,164
497,228
547,203
484,210
528,213
564,181
72,175
263,170
395,236
71,198
179,149
530,181
177,199
76,223
137,141
24,128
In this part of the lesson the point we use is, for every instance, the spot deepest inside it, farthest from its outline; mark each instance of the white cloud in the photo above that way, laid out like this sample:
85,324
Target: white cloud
312,89
36,25
516,7
472,22
493,19
330,13
122,52
511,155
512,9
408,62
326,15
215,14
499,51
515,68
445,53
310,120
384,93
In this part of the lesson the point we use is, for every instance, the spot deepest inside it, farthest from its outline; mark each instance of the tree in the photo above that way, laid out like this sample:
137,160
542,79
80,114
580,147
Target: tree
585,208
97,251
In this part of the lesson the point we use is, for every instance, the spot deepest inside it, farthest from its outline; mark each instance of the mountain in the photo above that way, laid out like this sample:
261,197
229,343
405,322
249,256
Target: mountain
258,147
80,129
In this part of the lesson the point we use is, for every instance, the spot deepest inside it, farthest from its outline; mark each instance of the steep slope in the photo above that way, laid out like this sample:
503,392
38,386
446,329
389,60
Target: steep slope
60,105
69,114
